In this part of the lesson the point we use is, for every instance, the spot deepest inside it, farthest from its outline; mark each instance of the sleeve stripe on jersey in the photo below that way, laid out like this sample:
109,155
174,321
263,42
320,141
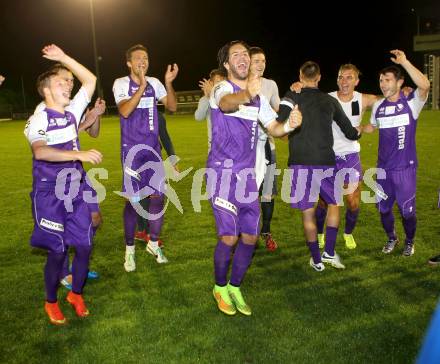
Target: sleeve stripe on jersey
287,103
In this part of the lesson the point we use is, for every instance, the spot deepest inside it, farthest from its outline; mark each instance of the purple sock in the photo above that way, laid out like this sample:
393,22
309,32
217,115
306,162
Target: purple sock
80,268
350,220
314,251
240,264
388,224
155,208
65,271
320,214
330,240
130,219
52,271
222,257
409,224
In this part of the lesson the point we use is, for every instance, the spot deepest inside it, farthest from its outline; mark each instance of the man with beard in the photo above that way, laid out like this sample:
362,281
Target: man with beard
236,107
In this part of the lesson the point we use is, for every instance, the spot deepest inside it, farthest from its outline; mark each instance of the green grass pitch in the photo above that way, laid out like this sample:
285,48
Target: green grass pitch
376,311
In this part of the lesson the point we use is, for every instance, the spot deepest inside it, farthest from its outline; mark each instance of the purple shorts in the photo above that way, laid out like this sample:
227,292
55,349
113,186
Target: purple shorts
90,196
398,186
143,172
308,183
235,205
349,168
54,226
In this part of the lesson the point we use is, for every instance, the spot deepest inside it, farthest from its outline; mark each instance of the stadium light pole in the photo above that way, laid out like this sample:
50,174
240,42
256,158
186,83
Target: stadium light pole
95,51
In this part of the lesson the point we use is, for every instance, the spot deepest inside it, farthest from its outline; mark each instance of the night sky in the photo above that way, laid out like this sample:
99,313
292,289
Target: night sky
190,33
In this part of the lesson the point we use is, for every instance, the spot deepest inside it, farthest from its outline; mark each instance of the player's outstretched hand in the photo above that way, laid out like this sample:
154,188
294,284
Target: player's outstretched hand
253,85
2,78
91,156
407,90
206,86
99,106
296,87
140,72
399,56
295,117
53,52
171,73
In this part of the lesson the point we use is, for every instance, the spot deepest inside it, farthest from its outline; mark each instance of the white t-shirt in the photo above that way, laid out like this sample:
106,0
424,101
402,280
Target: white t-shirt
353,109
36,127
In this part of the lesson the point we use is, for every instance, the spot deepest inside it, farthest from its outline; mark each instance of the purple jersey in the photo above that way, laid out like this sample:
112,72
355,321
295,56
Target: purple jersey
141,126
58,131
234,135
397,123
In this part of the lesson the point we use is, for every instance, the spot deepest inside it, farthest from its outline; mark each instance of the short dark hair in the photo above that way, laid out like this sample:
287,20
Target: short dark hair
256,50
216,72
43,80
310,70
136,47
223,53
396,71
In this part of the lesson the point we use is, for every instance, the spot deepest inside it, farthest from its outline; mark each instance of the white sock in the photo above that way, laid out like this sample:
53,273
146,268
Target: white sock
129,249
154,244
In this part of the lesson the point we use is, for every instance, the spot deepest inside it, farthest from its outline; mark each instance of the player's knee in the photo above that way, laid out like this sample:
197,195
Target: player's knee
266,198
407,213
249,239
333,215
96,219
353,203
309,227
229,239
321,203
385,211
83,251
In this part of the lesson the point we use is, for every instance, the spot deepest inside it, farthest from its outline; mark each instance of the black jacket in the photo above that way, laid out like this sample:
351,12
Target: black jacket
312,143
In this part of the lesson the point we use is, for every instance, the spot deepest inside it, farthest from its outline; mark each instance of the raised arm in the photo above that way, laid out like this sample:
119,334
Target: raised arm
2,78
126,107
368,101
417,77
231,102
92,119
87,78
170,100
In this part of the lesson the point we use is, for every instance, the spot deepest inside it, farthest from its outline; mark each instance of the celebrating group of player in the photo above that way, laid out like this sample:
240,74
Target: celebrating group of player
245,112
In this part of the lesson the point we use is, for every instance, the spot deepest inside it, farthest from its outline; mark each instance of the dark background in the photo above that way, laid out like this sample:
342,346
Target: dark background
190,33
